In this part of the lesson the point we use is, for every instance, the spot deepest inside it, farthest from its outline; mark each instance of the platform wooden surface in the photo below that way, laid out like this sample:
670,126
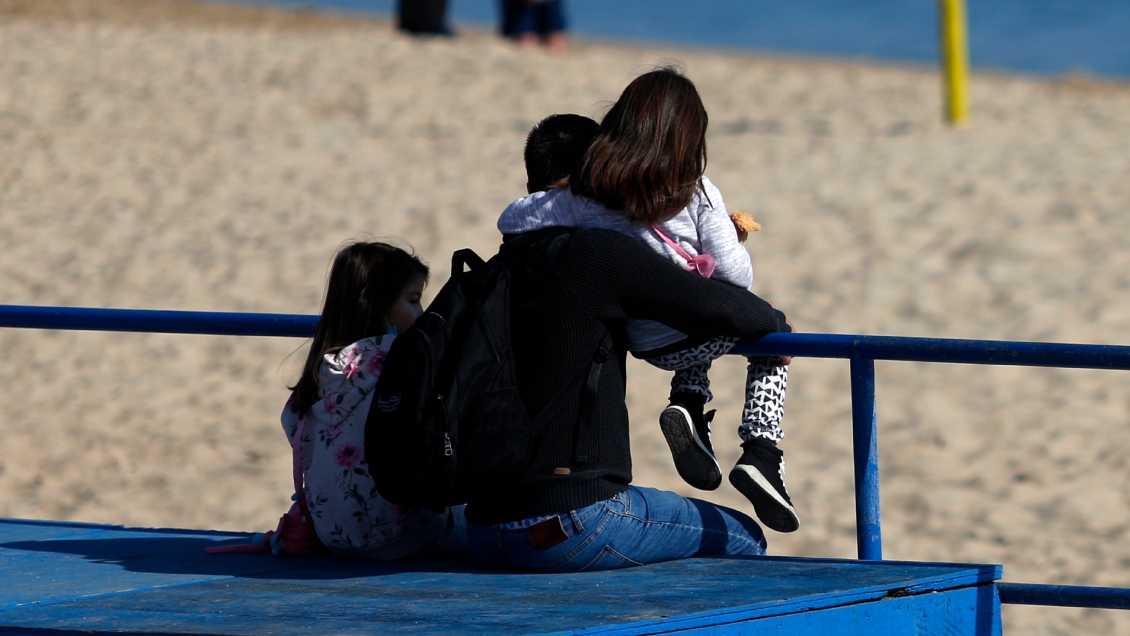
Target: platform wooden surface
82,578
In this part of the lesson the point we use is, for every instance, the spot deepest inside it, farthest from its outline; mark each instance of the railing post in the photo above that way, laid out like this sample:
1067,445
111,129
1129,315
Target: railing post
869,536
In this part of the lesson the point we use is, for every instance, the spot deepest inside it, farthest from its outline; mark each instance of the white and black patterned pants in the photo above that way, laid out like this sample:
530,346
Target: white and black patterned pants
764,385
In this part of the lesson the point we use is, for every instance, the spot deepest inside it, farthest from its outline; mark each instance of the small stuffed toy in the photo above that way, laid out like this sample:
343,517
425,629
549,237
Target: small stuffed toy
744,224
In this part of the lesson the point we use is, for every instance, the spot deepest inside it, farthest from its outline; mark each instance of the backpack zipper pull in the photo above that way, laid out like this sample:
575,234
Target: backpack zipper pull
448,450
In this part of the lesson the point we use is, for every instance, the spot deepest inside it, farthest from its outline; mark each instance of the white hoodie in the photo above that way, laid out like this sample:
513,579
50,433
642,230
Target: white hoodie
703,227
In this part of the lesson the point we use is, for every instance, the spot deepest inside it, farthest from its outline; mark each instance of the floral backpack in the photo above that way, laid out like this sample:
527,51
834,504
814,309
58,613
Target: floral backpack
295,534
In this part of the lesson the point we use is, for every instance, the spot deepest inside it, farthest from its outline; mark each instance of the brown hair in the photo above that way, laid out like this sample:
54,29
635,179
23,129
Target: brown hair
365,281
650,154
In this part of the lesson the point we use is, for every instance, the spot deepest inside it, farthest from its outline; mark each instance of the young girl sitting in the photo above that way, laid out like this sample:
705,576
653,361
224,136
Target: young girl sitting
373,292
643,176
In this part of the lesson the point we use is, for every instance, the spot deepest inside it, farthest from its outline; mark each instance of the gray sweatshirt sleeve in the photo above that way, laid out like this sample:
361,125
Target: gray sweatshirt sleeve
720,239
553,208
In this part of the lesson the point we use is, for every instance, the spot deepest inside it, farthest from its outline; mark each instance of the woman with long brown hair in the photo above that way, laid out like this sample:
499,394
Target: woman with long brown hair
643,175
574,506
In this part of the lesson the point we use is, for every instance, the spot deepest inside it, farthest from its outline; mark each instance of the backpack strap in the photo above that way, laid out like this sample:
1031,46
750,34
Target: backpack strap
675,246
550,409
588,412
464,257
590,376
703,264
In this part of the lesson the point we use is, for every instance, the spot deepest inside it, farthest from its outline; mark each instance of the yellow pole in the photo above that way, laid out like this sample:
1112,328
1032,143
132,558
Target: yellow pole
955,60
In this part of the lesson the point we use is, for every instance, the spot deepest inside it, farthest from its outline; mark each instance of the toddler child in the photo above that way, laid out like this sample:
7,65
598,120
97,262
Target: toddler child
642,175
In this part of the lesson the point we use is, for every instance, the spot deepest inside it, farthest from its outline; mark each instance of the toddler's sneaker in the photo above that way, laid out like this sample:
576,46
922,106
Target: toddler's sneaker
687,431
760,476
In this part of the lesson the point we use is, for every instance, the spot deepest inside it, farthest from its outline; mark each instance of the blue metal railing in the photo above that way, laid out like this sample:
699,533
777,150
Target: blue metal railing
156,321
861,351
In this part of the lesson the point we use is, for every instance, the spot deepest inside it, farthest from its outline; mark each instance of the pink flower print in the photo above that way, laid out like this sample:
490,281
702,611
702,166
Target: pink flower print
330,403
348,456
350,361
376,362
333,431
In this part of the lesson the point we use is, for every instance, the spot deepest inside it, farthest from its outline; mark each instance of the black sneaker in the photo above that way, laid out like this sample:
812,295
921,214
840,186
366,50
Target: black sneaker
760,476
687,431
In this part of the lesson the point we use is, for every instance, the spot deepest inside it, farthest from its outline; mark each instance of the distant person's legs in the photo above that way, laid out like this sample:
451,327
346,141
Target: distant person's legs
423,17
528,20
638,526
551,23
519,21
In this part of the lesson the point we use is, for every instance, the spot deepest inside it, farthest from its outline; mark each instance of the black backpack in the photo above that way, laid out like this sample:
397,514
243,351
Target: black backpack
447,421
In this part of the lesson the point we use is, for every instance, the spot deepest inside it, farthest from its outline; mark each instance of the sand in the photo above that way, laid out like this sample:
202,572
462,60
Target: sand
173,155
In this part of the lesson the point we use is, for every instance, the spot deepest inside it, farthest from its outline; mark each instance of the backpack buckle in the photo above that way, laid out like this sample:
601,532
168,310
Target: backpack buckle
604,351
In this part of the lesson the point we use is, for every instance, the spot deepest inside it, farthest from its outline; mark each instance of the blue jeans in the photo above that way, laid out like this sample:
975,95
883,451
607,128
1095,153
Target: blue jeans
637,526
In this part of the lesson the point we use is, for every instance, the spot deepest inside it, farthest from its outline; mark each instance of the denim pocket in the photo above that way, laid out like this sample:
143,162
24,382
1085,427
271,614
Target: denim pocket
596,518
586,517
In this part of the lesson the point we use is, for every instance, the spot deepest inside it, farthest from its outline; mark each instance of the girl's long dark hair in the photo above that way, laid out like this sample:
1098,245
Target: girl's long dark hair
365,280
650,154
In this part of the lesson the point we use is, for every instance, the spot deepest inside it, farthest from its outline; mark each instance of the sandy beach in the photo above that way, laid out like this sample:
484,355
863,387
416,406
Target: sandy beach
173,155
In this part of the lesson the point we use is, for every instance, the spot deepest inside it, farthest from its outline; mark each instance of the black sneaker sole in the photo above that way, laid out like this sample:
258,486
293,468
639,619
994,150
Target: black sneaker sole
693,460
774,511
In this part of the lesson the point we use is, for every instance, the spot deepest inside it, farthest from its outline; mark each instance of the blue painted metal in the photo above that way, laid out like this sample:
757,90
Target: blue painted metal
1065,595
865,438
1035,354
111,579
972,611
862,351
158,321
1030,354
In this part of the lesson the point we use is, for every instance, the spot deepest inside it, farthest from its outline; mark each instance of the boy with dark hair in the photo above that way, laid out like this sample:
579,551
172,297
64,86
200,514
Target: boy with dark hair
555,148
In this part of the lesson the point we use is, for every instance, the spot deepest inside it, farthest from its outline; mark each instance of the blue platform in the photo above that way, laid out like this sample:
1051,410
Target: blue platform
70,578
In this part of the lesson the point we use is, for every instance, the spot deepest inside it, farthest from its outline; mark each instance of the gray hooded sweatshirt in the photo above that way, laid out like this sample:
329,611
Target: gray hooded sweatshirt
703,227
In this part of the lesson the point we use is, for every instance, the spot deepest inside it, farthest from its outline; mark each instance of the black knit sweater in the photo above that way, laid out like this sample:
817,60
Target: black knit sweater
562,302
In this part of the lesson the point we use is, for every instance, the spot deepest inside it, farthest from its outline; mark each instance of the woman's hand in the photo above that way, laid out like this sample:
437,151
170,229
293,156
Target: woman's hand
783,361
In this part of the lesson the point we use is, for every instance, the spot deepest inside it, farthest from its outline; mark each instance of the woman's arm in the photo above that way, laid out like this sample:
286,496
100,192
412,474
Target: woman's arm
616,277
